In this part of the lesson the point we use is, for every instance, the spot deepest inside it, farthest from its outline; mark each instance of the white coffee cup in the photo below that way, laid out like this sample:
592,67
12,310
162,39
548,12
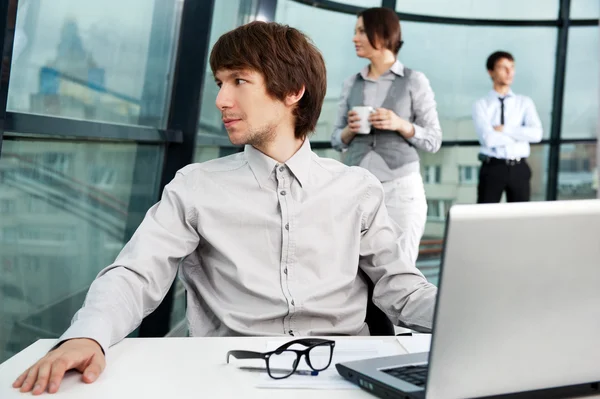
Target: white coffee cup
363,113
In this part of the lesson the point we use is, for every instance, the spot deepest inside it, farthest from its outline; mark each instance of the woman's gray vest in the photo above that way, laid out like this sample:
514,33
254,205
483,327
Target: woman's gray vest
393,148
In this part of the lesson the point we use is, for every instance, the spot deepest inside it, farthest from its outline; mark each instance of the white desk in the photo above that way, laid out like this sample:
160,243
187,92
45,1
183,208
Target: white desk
176,368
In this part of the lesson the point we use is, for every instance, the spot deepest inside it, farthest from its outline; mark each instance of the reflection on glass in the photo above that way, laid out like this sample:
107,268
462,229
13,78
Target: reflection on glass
507,9
580,109
578,171
102,61
63,212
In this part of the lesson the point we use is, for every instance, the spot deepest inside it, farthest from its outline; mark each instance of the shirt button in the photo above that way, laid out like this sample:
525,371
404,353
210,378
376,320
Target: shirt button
283,192
285,271
287,226
281,168
293,304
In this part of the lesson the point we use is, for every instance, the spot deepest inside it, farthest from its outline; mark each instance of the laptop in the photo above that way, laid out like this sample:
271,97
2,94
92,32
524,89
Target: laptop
518,308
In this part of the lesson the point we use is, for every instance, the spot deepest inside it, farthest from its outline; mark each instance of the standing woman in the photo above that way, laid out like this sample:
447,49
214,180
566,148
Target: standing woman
404,120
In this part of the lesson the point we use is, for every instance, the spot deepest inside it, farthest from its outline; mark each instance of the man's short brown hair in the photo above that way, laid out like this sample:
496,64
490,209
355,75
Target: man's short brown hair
285,57
490,64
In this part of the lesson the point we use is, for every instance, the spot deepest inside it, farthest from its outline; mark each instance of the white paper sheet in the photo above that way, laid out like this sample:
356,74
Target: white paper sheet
416,343
345,351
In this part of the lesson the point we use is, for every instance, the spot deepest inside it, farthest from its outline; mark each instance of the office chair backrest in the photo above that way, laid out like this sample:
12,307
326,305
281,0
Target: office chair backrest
379,324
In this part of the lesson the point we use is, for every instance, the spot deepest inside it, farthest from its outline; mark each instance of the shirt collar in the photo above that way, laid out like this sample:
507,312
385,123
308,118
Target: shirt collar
397,68
262,165
299,163
493,93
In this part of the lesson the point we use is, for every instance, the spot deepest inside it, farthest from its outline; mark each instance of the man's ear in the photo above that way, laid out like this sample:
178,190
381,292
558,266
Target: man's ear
293,98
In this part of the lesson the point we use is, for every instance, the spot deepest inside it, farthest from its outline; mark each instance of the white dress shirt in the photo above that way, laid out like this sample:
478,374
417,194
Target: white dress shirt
522,125
263,249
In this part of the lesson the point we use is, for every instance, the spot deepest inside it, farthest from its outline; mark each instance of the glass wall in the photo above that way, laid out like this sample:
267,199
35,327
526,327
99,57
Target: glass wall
580,110
578,175
92,60
452,54
84,80
336,47
468,9
453,57
70,199
63,207
585,9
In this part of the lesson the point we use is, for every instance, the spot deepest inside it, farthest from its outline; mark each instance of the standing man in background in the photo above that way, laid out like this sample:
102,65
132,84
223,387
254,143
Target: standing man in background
505,123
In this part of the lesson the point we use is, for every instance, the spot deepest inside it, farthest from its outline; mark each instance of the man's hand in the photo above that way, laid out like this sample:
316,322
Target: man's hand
82,354
499,128
387,120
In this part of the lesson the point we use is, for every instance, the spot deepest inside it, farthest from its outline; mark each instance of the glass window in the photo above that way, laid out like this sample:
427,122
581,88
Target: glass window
104,61
361,3
7,205
59,228
468,173
328,153
336,47
585,9
580,107
438,208
428,48
457,189
432,174
227,15
578,173
453,58
507,9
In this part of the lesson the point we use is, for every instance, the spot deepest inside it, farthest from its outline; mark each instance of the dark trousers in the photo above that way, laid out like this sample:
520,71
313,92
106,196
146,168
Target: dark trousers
497,176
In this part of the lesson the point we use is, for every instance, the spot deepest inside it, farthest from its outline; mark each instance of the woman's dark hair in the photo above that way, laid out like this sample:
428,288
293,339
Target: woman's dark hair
382,25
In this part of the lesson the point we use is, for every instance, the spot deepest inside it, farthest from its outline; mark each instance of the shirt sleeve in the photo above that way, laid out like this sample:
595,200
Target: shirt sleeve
401,291
486,134
428,132
135,284
342,116
531,129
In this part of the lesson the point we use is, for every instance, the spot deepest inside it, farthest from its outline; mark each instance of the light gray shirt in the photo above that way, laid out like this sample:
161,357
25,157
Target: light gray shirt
428,132
522,125
263,249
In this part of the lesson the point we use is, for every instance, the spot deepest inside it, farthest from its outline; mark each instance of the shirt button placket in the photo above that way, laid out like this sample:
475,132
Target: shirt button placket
283,190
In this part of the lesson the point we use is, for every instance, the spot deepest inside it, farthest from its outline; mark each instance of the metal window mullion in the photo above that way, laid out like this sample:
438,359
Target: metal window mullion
558,100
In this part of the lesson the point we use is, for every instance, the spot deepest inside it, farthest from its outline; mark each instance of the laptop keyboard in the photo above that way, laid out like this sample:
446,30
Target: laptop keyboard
416,375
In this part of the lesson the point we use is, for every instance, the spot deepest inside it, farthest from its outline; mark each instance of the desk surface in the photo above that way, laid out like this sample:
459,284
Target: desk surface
170,368
151,368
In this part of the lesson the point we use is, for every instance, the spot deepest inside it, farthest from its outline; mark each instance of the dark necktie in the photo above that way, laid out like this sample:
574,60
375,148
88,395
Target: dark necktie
501,109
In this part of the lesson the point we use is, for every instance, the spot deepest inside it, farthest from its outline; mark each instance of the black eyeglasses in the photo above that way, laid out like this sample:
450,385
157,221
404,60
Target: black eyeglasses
282,362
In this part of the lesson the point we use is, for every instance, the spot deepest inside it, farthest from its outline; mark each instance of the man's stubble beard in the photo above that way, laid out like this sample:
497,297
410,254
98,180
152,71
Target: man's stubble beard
262,136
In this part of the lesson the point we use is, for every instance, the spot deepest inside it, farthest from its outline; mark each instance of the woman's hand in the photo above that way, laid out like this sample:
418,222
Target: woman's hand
353,121
386,119
351,130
